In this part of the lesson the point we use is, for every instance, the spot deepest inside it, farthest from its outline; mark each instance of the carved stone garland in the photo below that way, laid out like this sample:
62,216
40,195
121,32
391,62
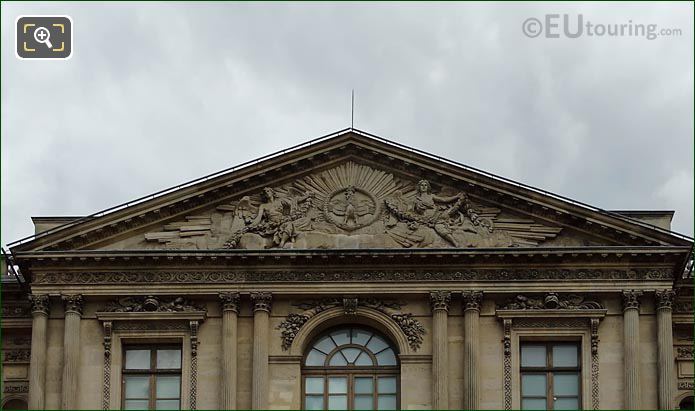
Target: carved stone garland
194,365
106,399
507,324
411,327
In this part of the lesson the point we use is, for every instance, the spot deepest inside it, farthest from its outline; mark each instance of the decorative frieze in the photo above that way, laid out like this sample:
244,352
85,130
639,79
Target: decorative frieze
16,387
229,301
16,356
664,298
149,325
472,300
684,352
39,304
151,303
440,300
261,301
265,276
410,326
631,299
550,301
686,385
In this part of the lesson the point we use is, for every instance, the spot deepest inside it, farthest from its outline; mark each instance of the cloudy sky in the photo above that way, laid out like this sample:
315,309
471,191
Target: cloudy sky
158,94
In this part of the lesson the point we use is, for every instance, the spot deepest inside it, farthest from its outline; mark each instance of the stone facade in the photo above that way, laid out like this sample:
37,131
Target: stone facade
245,270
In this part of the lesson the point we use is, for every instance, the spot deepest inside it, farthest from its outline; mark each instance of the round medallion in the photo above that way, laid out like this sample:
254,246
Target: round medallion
351,208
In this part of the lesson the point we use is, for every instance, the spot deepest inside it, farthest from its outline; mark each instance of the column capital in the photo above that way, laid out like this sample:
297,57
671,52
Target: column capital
440,300
39,303
261,301
229,301
74,303
664,298
631,299
472,300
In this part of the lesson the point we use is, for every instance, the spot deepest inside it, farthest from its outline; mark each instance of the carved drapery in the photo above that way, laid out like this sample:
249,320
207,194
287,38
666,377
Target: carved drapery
411,327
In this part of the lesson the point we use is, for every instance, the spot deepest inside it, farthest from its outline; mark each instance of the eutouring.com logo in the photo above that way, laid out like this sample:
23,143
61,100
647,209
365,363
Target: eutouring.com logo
553,26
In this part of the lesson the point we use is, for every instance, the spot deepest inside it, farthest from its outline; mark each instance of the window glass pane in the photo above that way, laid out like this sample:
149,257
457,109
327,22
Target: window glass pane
533,385
566,404
325,344
168,359
533,355
377,344
364,359
533,404
136,404
387,385
167,404
566,383
341,336
364,385
337,360
337,402
137,359
386,357
386,402
313,402
364,402
351,354
360,336
313,385
315,358
137,386
168,386
564,355
337,385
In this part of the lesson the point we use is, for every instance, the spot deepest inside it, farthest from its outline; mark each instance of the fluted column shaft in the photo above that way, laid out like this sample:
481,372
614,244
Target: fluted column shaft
37,363
71,349
440,349
666,389
261,318
631,349
230,311
471,323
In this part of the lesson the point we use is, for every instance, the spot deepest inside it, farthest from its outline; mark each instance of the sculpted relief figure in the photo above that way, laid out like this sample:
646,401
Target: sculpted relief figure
352,206
443,214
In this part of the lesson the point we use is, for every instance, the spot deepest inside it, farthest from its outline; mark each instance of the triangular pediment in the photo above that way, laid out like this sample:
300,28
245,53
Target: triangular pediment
351,190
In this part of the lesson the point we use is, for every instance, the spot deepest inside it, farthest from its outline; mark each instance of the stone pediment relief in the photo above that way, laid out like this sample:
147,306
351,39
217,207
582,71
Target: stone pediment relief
352,206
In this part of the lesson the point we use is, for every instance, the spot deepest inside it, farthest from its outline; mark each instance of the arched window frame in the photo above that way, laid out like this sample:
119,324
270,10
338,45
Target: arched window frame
377,373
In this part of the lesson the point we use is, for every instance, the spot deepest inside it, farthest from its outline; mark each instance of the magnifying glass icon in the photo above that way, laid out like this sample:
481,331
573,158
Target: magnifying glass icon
42,35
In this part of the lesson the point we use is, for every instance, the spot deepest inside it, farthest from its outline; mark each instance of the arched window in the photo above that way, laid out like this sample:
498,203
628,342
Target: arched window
350,368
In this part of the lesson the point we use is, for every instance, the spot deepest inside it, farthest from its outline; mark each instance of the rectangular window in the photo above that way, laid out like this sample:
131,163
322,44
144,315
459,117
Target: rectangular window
152,377
550,376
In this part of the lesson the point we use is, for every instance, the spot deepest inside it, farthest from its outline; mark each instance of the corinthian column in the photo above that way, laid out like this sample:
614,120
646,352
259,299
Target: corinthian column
230,310
71,349
440,349
631,348
471,323
664,300
259,384
37,363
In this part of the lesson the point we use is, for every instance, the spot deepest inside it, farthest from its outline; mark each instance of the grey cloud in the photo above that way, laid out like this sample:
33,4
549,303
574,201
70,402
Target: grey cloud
157,94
